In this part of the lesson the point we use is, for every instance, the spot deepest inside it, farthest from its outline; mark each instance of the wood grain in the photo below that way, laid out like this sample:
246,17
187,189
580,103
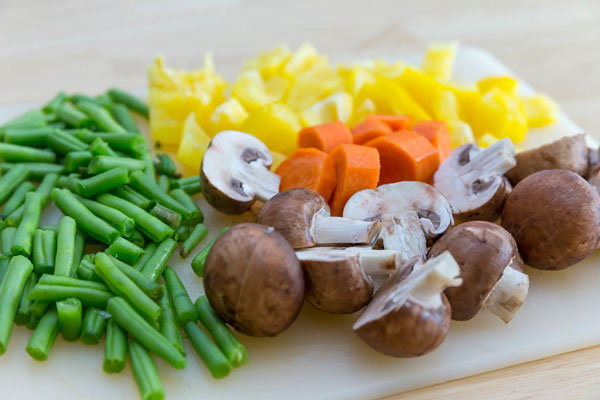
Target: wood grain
88,46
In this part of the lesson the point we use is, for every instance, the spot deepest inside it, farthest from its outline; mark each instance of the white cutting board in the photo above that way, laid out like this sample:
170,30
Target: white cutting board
319,356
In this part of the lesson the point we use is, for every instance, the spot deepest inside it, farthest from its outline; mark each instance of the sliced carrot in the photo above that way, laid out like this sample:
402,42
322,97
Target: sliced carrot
310,169
405,156
395,122
369,129
437,134
325,137
357,168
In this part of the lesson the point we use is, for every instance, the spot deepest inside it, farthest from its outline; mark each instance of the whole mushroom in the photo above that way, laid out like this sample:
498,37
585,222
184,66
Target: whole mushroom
490,267
409,315
235,172
472,180
410,213
302,216
253,280
554,216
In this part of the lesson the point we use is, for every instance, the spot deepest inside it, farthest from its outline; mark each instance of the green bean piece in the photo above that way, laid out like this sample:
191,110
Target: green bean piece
155,265
93,326
14,218
130,101
69,182
184,308
137,238
11,180
115,348
57,125
31,119
87,271
45,188
43,337
168,325
164,183
72,116
77,159
123,117
64,143
101,164
37,171
151,226
78,250
36,311
166,215
56,280
191,185
148,252
87,221
127,193
214,360
88,296
233,350
185,200
103,182
124,250
35,137
70,318
99,147
145,373
12,152
150,189
65,247
196,236
56,102
44,251
23,240
132,143
17,198
99,115
200,259
148,286
6,238
24,309
115,218
74,98
4,260
143,332
149,170
19,270
165,166
182,233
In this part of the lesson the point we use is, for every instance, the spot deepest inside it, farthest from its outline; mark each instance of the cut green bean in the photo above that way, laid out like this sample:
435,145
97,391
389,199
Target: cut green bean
37,171
99,115
93,326
149,170
24,309
148,286
101,164
165,166
37,309
166,215
127,193
44,251
45,188
82,97
88,296
77,159
137,238
115,218
168,325
148,252
182,233
155,265
19,270
99,147
56,102
164,183
65,247
129,100
103,182
184,308
122,249
16,153
69,182
73,117
43,337
29,120
56,280
115,348
70,318
196,236
150,189
64,143
145,373
6,238
23,239
124,118
132,143
148,224
78,250
28,137
200,259
191,185
87,271
17,198
11,180
185,200
87,221
214,360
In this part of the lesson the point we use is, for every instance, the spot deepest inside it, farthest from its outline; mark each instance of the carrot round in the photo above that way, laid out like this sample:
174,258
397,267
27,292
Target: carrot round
405,156
308,168
437,134
395,122
369,129
325,137
357,168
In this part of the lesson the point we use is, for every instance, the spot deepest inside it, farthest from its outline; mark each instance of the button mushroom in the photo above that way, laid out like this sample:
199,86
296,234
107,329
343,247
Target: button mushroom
472,180
336,277
409,316
235,172
253,280
302,216
554,216
490,267
410,213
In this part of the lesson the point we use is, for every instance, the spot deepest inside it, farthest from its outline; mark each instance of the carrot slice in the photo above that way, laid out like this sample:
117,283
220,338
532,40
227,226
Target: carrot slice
325,137
357,168
395,122
405,156
370,129
310,169
437,134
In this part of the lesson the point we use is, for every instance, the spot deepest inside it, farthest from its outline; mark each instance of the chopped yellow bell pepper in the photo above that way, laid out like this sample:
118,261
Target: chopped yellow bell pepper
487,140
391,98
506,83
194,142
270,63
541,110
460,133
422,87
251,91
356,78
228,115
439,60
337,107
276,125
361,111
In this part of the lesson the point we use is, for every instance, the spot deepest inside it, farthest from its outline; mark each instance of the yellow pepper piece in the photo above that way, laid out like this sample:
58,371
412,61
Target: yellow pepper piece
499,114
337,107
270,63
302,60
356,78
228,115
541,110
391,98
194,142
276,125
278,87
460,133
251,91
487,140
361,111
439,60
422,87
506,83
391,71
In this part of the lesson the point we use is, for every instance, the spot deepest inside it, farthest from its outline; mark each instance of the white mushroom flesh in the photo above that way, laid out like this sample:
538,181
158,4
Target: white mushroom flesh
508,294
326,229
372,262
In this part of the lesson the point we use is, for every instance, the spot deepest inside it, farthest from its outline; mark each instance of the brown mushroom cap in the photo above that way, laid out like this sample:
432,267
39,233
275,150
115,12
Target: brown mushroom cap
554,217
570,153
483,251
253,280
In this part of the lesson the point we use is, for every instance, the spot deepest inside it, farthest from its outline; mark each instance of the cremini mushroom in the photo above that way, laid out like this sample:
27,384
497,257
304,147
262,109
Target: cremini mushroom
409,315
235,172
490,267
253,280
472,180
410,213
302,216
569,152
336,277
554,216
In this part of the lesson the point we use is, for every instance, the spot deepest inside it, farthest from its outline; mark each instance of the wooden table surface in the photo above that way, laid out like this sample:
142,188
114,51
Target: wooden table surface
87,46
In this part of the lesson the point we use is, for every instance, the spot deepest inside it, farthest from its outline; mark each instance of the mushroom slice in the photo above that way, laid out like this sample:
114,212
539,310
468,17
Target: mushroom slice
490,267
410,213
409,315
302,216
235,172
472,180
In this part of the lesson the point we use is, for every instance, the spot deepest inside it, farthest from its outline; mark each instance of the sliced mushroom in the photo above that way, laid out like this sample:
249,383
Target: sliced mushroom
472,180
569,152
409,315
490,267
410,212
235,172
302,216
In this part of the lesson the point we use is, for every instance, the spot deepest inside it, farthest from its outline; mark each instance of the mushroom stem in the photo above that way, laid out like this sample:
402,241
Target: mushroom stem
330,230
508,295
380,262
444,273
402,234
262,181
499,158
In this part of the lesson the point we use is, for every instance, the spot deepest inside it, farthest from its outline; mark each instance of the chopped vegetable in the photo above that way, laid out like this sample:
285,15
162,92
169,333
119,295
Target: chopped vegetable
93,326
200,259
124,250
437,134
325,137
184,308
43,337
115,348
23,239
103,182
308,168
145,373
70,318
370,129
155,265
196,236
215,361
168,324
